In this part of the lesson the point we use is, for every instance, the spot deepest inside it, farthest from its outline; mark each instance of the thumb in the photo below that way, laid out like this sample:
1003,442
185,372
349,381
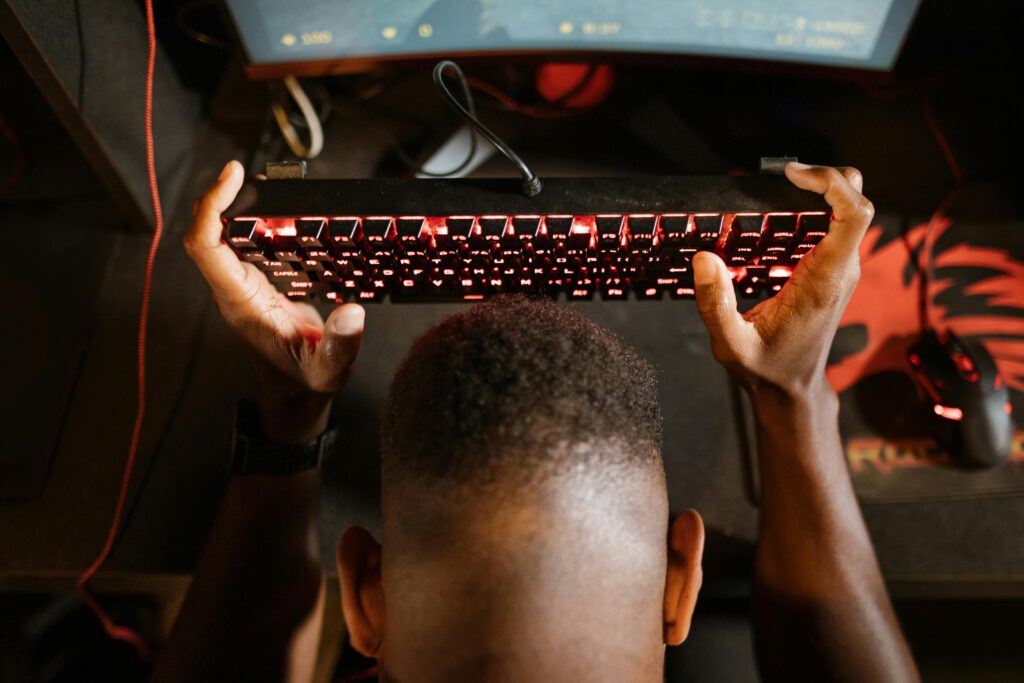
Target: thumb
339,345
716,303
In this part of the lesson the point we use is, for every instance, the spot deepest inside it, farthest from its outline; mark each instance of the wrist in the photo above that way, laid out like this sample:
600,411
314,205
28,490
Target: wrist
293,418
773,403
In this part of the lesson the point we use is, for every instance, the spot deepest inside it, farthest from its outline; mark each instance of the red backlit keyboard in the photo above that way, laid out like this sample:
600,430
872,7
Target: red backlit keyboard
445,240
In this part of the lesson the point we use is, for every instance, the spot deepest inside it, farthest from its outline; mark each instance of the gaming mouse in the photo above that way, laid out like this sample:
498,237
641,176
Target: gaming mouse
969,412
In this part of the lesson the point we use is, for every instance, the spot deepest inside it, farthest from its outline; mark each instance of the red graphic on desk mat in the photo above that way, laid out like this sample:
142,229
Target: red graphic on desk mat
886,304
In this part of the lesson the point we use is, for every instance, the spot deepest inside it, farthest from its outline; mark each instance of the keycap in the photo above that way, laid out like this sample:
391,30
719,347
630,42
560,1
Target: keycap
614,289
643,233
287,275
345,233
558,228
646,290
611,232
378,231
813,226
779,231
673,228
706,229
582,234
292,256
527,229
581,289
460,228
492,228
243,233
747,227
311,232
413,232
252,256
683,290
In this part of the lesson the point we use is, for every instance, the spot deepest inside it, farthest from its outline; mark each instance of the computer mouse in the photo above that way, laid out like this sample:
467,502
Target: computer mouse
969,403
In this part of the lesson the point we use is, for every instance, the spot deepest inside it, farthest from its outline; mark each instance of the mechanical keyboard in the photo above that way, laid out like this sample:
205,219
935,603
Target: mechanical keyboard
459,240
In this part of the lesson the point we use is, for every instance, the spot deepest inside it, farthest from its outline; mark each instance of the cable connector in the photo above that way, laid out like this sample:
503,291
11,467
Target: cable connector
775,165
532,186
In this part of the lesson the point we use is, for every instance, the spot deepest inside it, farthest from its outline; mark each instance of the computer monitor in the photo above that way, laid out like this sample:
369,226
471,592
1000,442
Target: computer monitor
337,36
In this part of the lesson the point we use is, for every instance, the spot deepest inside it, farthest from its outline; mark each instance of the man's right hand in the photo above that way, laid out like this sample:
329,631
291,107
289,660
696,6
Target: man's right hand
820,607
301,360
783,343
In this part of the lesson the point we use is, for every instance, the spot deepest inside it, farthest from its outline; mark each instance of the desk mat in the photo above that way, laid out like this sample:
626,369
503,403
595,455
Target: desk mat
978,292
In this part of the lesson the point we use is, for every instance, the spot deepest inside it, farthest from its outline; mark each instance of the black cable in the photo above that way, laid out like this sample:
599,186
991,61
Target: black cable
531,183
80,30
180,18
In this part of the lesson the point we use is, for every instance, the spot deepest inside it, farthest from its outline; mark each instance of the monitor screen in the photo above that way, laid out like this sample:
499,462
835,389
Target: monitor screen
862,34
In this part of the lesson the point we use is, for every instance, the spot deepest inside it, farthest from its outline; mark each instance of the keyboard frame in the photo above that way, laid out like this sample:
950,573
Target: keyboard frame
591,196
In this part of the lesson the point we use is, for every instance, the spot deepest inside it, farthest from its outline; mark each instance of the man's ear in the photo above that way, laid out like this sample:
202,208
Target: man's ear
684,576
362,595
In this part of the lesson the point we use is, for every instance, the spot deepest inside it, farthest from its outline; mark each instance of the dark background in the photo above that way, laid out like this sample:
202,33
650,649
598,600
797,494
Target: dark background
73,216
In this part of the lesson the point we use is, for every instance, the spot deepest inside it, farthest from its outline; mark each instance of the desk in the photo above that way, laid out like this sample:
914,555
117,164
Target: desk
197,369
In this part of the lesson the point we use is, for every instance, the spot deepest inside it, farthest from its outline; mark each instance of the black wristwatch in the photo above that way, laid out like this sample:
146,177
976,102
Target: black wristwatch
253,454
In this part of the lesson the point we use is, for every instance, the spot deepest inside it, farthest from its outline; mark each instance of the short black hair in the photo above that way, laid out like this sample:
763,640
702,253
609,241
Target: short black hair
516,385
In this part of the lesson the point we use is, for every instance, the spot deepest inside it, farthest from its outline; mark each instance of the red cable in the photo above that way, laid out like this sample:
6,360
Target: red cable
113,630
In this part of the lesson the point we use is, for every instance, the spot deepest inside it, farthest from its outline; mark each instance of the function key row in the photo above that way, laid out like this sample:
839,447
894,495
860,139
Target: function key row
740,236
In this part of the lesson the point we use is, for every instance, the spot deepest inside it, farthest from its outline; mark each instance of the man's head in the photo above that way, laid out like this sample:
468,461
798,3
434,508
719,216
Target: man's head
525,515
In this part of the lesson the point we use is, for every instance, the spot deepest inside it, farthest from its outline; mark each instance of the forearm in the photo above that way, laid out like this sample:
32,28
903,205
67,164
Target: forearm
819,598
253,609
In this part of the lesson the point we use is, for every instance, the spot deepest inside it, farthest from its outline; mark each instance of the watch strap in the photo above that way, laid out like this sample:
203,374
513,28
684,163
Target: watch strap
253,454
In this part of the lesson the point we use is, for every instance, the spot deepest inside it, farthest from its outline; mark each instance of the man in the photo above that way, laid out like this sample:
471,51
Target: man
526,532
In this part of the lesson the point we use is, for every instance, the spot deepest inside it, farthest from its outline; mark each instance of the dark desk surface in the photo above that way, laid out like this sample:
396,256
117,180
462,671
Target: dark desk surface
197,370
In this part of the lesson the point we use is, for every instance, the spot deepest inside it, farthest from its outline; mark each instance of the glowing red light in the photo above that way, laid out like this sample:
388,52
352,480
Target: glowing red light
780,271
1008,408
966,366
582,225
949,412
473,297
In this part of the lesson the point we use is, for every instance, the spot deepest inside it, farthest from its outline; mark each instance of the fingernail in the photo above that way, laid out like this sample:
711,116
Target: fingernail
796,165
224,172
350,322
704,269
